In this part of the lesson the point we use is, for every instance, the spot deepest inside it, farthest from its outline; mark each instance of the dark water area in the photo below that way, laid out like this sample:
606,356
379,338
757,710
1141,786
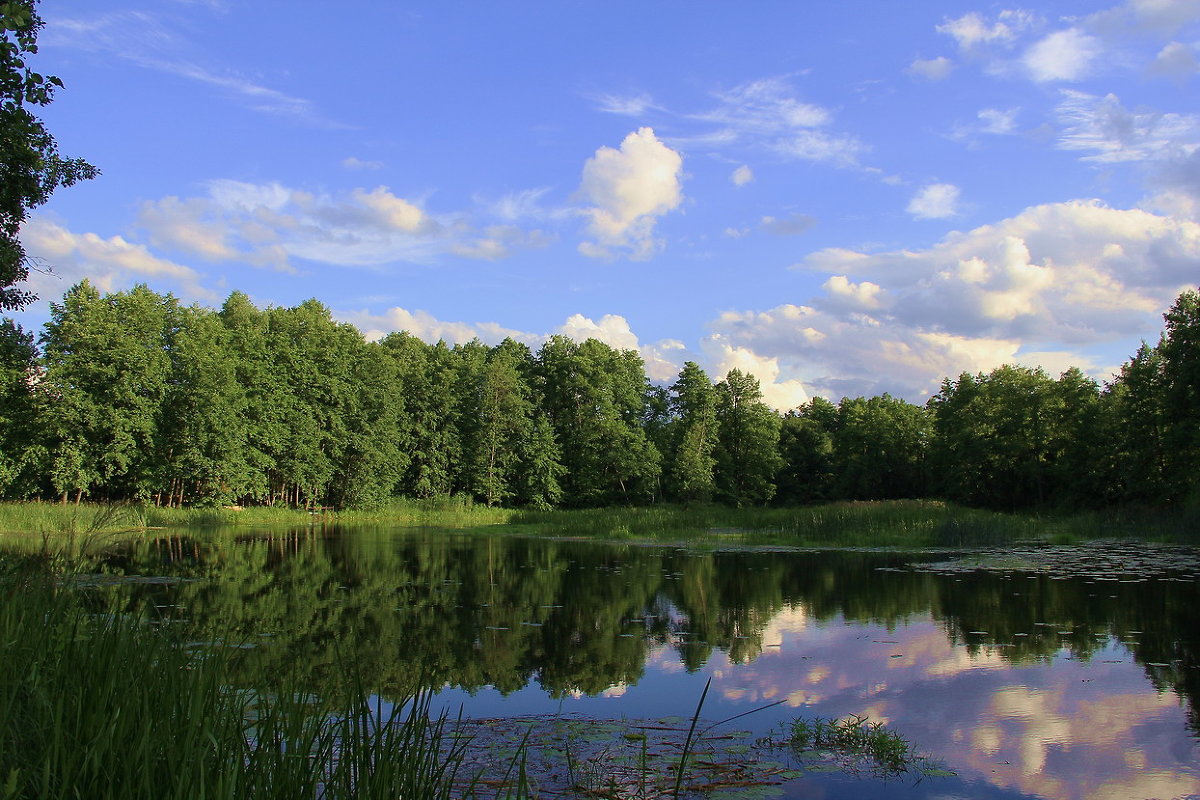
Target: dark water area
1057,683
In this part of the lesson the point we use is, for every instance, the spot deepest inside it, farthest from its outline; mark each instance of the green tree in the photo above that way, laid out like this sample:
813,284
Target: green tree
30,166
879,449
747,451
202,432
18,422
107,369
806,449
595,398
1181,365
692,436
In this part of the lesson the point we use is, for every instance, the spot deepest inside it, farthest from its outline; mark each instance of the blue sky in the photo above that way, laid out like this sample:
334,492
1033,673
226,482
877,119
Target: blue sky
841,198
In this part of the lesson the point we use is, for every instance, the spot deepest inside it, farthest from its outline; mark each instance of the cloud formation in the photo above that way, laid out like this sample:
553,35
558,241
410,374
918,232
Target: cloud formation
1062,56
628,190
935,201
1111,133
1046,287
271,225
64,258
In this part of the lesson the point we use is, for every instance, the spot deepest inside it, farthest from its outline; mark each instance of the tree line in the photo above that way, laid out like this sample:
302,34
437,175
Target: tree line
133,396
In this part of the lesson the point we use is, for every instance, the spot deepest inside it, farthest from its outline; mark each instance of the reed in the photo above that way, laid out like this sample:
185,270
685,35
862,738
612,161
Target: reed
99,704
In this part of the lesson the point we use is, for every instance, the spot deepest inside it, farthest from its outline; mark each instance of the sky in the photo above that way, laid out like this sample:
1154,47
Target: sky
842,199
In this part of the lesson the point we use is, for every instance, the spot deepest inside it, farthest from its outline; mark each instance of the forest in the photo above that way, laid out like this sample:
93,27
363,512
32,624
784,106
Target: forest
132,396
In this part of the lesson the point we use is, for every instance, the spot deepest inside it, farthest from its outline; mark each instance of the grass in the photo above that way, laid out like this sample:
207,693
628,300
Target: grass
98,704
857,743
107,705
897,523
104,519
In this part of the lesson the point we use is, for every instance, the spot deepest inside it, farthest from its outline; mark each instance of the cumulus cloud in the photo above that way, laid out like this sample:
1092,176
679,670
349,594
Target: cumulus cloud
629,189
1062,56
1052,286
1111,133
933,69
663,359
429,328
271,225
741,176
935,201
111,264
723,356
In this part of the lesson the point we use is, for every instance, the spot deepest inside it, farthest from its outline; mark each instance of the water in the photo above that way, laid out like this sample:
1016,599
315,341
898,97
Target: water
1076,683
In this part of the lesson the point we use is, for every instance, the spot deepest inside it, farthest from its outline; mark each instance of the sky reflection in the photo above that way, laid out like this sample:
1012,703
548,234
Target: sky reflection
1066,728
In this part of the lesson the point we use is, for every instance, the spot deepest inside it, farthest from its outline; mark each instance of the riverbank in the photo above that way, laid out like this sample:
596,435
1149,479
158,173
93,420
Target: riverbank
896,523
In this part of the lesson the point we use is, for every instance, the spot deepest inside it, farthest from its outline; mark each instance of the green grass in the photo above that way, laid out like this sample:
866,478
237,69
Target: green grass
92,519
898,523
103,705
859,745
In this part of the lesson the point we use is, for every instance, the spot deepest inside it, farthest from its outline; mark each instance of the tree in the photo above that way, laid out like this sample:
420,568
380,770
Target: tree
30,166
879,447
595,397
806,446
18,423
747,450
1181,364
693,435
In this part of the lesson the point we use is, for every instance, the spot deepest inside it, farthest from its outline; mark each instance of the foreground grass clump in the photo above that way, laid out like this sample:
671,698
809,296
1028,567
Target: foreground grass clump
101,705
855,741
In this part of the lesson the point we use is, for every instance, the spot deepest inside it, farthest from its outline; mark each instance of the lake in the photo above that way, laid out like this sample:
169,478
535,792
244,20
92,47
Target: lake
1048,672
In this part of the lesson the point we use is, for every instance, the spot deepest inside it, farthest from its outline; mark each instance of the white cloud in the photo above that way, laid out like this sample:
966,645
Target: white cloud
145,40
1052,286
741,176
1112,133
722,357
1065,55
1176,60
791,225
629,189
429,328
111,264
766,113
935,201
626,105
353,163
663,359
933,69
1154,17
271,225
997,122
971,31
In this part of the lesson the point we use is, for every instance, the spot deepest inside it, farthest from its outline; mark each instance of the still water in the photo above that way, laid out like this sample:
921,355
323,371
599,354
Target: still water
1081,680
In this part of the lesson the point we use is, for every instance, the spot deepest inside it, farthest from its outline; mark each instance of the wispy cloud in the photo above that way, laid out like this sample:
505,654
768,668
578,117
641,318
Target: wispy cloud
148,41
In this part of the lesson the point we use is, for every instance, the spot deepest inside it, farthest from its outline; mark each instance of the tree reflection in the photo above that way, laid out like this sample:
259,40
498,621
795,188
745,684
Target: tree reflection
473,611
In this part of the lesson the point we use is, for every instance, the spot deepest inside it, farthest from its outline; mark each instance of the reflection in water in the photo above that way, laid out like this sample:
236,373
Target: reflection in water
1025,685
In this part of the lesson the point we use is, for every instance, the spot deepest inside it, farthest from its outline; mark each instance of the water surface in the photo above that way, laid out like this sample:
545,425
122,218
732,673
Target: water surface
1081,680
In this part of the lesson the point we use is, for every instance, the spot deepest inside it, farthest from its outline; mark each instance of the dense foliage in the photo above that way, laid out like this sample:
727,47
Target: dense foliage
134,396
30,165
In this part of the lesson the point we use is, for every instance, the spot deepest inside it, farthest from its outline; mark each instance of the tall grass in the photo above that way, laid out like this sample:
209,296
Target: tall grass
898,523
106,706
70,519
